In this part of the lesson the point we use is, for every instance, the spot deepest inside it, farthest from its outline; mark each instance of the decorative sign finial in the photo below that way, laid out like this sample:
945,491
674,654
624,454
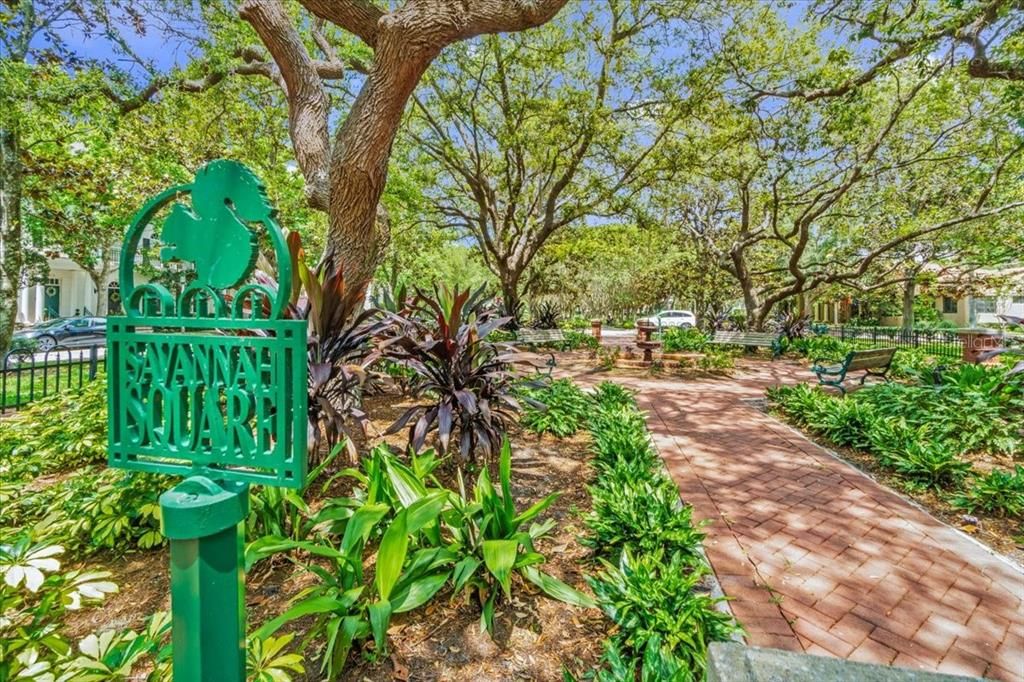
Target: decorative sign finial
225,197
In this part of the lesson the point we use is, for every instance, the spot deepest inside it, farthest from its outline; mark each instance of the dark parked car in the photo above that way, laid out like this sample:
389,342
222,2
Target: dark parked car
64,331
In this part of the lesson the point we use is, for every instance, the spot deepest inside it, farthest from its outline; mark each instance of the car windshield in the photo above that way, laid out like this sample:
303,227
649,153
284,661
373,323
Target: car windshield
47,324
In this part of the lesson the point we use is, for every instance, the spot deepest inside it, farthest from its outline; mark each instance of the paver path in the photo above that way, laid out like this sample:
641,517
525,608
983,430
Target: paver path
818,557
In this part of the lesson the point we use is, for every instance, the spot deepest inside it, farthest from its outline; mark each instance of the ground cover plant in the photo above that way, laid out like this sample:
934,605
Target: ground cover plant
559,408
651,581
951,436
407,538
677,339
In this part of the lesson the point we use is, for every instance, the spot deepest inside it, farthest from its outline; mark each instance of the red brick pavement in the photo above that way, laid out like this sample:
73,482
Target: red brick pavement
817,556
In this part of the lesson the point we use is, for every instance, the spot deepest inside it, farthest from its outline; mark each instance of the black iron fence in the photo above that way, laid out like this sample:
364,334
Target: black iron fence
26,375
941,342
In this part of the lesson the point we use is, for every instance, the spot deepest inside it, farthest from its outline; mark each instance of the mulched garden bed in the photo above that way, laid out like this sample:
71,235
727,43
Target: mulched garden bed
534,636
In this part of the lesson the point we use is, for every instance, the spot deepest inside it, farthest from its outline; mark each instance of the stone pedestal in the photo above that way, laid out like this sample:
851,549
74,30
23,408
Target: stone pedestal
644,331
979,341
595,329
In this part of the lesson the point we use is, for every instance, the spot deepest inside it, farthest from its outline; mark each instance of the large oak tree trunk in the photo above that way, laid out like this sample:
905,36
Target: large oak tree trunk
12,254
510,296
359,167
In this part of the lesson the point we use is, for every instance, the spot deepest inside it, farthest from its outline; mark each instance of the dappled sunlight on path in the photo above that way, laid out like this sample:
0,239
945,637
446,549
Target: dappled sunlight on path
817,556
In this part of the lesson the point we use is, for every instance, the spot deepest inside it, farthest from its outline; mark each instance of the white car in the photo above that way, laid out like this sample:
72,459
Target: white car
674,318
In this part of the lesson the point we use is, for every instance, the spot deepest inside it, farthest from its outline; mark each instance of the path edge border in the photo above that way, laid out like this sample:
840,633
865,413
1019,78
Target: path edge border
868,475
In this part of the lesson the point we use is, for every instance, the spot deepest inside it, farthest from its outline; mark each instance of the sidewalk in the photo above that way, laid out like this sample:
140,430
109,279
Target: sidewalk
818,557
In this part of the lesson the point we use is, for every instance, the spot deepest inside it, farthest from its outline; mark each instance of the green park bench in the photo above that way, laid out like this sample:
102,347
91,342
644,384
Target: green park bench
749,340
874,363
539,337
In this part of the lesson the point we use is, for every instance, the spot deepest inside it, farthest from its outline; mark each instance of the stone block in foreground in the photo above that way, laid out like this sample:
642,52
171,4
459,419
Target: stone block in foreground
732,662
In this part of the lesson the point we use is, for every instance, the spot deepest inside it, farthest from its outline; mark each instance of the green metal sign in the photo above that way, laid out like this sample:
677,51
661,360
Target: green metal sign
209,383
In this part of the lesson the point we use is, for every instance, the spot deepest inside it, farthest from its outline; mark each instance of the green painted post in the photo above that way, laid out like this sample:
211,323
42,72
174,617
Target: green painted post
209,384
202,519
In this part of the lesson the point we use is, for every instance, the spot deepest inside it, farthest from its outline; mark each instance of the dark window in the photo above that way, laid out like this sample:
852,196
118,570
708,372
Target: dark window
948,305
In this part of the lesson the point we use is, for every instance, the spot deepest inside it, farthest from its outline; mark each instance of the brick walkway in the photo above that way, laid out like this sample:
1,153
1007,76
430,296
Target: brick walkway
816,556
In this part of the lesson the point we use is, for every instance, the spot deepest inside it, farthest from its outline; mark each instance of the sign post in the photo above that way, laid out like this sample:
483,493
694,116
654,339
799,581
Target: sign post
209,384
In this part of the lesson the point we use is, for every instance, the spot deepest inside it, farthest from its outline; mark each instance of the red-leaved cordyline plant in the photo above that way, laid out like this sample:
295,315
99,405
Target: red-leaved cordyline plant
339,348
466,378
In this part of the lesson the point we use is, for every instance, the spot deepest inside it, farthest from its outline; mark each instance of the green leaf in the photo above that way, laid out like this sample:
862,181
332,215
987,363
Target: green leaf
359,527
553,587
425,511
487,614
499,557
419,592
464,570
391,555
273,544
303,608
406,485
380,616
505,475
536,509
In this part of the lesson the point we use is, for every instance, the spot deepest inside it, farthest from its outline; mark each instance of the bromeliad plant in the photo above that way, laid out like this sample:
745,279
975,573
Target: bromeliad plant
465,378
545,315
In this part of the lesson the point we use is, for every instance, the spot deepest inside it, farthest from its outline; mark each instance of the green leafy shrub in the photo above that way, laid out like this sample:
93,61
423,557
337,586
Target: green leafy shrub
576,322
641,516
575,340
716,359
56,433
654,592
900,426
678,340
820,348
559,408
491,543
997,492
929,461
545,315
845,422
656,600
96,508
619,433
422,538
35,596
609,394
918,365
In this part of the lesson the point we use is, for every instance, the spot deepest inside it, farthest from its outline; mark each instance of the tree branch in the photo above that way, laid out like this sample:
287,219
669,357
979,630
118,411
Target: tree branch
359,17
308,104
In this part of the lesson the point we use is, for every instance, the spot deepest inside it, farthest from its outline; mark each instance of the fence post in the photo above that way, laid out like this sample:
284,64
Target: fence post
93,360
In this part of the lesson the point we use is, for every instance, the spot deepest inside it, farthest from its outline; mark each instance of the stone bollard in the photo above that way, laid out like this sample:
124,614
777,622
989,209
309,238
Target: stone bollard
979,341
595,329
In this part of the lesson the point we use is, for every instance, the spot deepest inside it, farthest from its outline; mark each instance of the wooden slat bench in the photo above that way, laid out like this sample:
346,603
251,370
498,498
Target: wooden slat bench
748,339
874,363
537,337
